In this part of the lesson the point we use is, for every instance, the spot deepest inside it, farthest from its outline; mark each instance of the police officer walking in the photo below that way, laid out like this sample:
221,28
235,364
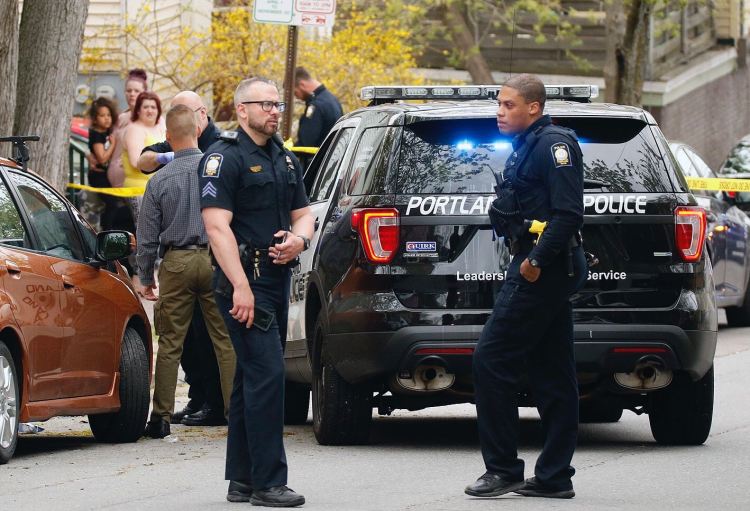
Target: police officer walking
322,109
258,221
531,325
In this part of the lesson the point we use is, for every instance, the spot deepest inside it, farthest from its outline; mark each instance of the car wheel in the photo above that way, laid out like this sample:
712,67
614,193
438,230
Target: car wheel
127,424
342,412
681,414
597,411
9,400
740,315
296,402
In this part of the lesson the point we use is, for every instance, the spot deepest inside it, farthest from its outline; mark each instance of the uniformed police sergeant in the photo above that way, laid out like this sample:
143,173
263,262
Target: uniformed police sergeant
322,109
531,325
252,194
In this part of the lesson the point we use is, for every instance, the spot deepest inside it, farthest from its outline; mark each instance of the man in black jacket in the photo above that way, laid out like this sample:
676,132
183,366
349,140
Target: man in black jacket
322,109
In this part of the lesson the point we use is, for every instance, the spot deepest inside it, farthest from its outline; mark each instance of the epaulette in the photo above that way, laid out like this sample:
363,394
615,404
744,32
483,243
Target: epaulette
229,136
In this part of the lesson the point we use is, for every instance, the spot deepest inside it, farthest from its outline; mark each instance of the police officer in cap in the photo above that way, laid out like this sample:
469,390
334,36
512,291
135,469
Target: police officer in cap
322,109
258,221
531,325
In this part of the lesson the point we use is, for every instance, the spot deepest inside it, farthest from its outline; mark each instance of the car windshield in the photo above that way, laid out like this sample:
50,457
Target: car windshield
459,156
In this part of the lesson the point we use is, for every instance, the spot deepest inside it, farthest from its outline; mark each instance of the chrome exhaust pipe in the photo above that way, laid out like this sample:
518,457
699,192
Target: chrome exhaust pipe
649,373
427,377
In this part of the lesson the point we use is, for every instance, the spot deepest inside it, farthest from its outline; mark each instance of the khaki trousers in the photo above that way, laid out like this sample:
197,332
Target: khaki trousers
185,277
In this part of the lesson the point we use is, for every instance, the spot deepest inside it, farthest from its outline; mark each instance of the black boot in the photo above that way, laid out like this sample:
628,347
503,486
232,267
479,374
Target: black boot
534,488
239,492
157,428
492,485
189,409
207,416
277,496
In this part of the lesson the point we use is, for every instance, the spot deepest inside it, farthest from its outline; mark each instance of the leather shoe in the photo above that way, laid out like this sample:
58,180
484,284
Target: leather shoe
277,496
239,492
189,409
492,485
534,488
206,416
157,428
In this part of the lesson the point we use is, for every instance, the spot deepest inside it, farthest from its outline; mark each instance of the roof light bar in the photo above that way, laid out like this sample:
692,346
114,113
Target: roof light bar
388,94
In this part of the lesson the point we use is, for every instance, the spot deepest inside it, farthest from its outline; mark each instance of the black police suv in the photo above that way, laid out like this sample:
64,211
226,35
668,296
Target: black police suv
388,303
727,238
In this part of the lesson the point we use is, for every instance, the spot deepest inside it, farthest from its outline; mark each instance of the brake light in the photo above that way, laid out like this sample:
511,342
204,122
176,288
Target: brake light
689,232
445,351
378,229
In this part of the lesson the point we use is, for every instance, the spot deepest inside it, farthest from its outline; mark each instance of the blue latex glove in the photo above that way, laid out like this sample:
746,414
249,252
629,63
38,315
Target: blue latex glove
164,158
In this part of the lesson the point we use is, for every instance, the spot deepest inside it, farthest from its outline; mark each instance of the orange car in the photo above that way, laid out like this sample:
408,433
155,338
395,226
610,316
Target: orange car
74,338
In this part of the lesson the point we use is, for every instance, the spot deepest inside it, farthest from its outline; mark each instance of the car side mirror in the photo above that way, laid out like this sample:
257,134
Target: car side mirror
113,245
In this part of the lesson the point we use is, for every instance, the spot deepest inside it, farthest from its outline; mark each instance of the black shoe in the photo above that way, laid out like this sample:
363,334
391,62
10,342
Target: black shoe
239,492
492,485
206,416
277,496
189,409
533,488
157,428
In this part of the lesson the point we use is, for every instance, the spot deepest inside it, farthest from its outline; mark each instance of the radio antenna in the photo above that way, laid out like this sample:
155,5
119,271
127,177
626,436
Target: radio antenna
512,43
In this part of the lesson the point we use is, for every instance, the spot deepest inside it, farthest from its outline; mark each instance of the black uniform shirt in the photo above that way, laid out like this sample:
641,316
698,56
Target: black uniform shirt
209,136
259,186
546,170
322,111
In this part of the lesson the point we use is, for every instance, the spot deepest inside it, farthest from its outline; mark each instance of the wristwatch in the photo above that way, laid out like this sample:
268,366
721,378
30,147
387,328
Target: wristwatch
305,240
534,263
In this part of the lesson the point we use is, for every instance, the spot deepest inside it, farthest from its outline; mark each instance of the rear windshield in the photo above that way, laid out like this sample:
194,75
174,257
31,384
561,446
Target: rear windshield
459,156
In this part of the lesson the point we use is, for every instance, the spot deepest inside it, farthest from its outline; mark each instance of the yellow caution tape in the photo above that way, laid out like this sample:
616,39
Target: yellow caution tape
719,184
299,149
132,191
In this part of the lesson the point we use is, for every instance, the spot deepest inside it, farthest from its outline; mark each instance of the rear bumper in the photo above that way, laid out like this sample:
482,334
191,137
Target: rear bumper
369,356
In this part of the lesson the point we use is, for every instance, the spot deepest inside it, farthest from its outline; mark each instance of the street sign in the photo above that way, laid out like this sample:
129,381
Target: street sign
316,13
273,11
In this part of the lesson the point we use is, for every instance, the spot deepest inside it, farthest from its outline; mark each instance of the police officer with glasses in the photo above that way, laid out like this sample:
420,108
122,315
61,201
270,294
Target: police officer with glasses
258,221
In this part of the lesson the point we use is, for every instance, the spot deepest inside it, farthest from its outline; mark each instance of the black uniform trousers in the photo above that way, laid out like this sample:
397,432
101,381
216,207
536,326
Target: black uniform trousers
255,447
530,329
200,366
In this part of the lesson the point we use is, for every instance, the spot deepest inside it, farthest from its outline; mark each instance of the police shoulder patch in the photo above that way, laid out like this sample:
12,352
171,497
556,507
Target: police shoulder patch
212,167
309,111
561,154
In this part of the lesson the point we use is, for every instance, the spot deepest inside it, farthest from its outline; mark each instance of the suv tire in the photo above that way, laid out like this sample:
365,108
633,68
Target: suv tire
740,315
10,400
597,411
127,424
342,412
296,402
681,414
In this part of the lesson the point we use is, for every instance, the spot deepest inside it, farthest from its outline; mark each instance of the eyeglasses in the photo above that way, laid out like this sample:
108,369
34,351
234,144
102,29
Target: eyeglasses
267,106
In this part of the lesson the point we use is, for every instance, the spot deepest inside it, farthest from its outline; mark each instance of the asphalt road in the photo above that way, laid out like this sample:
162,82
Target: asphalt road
417,461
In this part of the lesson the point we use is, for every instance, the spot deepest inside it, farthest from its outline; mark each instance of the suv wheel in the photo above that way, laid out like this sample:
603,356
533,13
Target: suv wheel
9,400
296,402
740,315
342,412
127,424
598,411
681,414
